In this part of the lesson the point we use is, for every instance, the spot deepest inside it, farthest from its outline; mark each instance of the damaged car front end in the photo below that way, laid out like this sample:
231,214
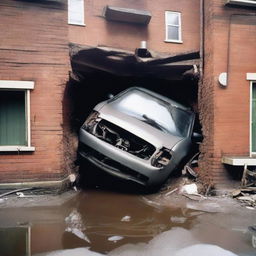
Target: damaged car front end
138,135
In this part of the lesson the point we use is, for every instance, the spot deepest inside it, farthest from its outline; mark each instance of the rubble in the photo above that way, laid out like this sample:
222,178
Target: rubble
246,194
189,189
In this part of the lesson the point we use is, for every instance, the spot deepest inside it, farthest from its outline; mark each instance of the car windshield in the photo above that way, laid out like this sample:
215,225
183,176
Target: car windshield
154,111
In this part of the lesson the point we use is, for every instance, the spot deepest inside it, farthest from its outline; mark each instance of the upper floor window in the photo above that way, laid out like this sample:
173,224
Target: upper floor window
173,27
76,12
251,77
253,118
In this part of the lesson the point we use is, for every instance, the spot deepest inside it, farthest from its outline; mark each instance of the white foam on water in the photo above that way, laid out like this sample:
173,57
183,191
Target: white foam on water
176,242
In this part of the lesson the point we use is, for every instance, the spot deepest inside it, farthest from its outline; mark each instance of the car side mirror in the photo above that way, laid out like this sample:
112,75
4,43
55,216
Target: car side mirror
197,137
110,96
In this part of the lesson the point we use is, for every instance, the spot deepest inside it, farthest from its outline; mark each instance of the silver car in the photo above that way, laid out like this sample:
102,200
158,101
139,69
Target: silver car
137,135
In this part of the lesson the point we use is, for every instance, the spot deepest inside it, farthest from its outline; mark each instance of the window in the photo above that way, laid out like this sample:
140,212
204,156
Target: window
253,118
173,27
76,12
15,115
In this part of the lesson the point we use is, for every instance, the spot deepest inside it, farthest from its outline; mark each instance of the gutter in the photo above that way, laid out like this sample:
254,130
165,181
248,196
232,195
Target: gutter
201,66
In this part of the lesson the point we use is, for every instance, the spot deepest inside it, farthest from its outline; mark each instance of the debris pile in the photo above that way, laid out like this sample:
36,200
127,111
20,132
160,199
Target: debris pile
190,185
246,194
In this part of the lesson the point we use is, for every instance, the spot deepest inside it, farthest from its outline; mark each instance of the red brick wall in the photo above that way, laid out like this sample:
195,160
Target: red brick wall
206,97
98,31
229,47
34,46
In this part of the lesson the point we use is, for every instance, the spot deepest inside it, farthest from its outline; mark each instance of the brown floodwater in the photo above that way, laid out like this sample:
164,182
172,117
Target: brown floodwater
105,221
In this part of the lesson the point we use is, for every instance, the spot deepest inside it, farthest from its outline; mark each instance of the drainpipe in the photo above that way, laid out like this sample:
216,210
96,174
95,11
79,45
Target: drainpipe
223,77
201,68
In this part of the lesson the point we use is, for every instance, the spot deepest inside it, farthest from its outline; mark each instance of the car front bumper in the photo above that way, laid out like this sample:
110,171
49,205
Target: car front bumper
120,163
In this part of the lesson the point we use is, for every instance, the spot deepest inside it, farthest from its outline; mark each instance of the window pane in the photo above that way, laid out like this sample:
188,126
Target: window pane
173,33
76,11
172,18
253,142
12,118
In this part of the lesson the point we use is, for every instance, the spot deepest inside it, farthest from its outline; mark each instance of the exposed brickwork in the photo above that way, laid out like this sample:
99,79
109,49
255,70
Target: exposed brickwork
34,46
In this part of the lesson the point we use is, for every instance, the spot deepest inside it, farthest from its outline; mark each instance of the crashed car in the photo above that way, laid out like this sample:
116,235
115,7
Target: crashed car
137,135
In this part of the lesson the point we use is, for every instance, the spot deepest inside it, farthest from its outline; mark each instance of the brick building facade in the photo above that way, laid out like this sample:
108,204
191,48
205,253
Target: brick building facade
35,69
34,58
225,97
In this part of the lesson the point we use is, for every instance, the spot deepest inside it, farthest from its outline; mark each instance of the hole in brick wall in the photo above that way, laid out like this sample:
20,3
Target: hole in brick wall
86,88
94,88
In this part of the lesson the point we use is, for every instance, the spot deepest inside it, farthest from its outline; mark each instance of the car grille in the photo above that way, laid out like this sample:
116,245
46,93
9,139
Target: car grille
122,139
112,163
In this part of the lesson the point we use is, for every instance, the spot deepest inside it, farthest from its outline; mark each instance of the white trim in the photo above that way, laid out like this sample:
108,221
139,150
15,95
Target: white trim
179,28
250,121
174,41
25,86
238,160
251,76
28,241
16,149
27,102
12,84
77,24
250,144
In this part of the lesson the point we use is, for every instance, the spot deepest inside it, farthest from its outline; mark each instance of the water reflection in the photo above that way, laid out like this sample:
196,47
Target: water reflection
103,222
15,241
116,224
100,221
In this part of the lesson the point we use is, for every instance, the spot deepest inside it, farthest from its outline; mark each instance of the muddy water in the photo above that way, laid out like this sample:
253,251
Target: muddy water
115,224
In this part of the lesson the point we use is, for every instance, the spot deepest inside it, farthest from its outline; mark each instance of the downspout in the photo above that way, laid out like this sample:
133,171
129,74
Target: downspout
201,67
224,80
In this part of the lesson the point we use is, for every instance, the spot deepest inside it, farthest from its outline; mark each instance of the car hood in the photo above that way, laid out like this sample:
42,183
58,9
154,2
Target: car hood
143,130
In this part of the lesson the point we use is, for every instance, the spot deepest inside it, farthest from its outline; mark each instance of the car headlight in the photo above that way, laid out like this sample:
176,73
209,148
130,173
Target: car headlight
162,158
91,121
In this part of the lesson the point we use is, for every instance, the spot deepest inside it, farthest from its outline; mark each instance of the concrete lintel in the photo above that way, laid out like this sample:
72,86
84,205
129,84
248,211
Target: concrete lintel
239,160
251,76
11,84
16,149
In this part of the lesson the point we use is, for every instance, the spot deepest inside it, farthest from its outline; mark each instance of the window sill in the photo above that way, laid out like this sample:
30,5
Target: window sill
78,24
16,149
239,160
173,41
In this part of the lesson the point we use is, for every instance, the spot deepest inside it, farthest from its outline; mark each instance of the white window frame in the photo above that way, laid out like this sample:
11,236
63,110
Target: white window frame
26,86
179,26
73,9
251,77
